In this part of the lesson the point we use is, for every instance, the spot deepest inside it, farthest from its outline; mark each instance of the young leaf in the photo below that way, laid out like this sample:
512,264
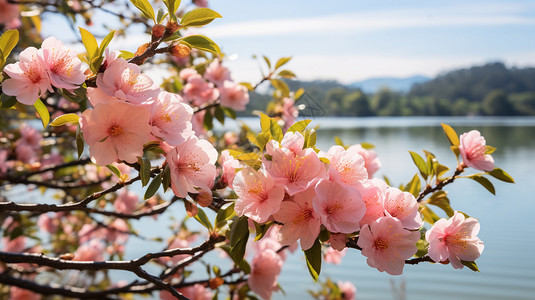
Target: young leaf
282,61
7,101
239,234
450,134
299,126
126,54
501,175
153,187
105,42
8,41
414,186
42,111
166,178
114,170
265,122
275,130
420,163
287,74
338,141
172,5
65,119
202,43
268,62
79,141
223,215
145,8
144,171
261,230
471,265
313,259
441,200
90,43
203,219
429,215
485,183
199,17
281,86
219,114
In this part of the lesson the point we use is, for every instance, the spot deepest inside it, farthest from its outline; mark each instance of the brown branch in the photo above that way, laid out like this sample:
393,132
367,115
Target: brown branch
157,209
440,185
57,167
208,106
417,260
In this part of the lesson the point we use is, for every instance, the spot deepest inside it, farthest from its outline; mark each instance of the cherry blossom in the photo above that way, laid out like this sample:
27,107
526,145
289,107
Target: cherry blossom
216,73
387,244
15,245
346,166
347,289
126,202
115,131
371,161
333,256
171,118
64,68
454,239
194,292
198,91
192,166
289,112
299,220
373,193
339,206
9,14
91,251
265,269
233,95
403,206
28,78
16,293
473,148
259,196
229,165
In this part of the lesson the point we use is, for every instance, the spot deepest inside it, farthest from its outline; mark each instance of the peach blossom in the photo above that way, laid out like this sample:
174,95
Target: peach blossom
198,91
259,196
371,161
9,14
346,166
192,166
115,131
194,292
124,81
16,293
117,231
472,148
15,245
186,73
64,68
402,206
339,206
265,269
216,73
28,78
201,3
373,193
48,223
387,244
228,165
4,154
233,95
333,256
347,289
126,202
338,241
289,112
299,220
171,118
92,251
454,239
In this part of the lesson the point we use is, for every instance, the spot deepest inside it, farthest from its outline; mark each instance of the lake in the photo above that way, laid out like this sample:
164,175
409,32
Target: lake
507,222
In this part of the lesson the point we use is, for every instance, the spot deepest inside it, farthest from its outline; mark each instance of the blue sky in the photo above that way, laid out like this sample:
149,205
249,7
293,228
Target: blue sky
354,40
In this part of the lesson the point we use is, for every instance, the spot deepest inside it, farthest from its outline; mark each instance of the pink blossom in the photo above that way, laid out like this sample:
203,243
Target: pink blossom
216,73
90,232
373,193
15,245
124,81
64,68
265,269
4,154
186,73
199,91
233,95
48,223
92,251
201,3
117,231
346,166
171,118
29,78
270,241
229,165
333,256
296,171
193,292
192,166
454,239
26,153
126,202
115,131
230,138
299,220
339,206
472,148
197,123
371,161
259,196
97,96
9,14
387,244
179,243
338,241
347,289
289,112
402,206
16,293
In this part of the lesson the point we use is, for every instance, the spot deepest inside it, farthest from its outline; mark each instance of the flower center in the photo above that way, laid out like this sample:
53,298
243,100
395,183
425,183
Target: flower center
380,244
115,130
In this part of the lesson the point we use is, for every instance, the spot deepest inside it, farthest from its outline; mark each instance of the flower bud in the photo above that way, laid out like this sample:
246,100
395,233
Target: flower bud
141,49
172,26
158,31
179,50
204,198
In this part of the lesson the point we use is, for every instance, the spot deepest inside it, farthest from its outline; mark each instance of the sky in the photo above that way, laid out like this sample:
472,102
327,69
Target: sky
352,40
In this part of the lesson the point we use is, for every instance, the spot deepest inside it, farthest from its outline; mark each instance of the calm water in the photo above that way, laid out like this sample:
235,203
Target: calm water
507,221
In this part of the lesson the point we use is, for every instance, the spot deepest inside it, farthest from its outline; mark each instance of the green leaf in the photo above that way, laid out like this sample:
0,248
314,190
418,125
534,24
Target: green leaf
501,175
268,62
153,187
145,8
471,265
450,134
105,42
261,230
287,74
8,101
79,141
166,178
126,54
414,186
441,200
249,86
298,94
229,112
313,259
203,219
299,126
42,111
265,122
239,234
281,86
199,17
484,182
114,170
144,171
160,16
338,141
172,5
420,163
422,245
275,130
219,114
8,41
489,149
208,120
65,119
429,215
367,146
262,139
282,61
223,215
202,43
90,43
310,138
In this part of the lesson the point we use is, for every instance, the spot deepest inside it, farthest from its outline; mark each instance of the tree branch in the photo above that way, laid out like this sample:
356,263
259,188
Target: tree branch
440,185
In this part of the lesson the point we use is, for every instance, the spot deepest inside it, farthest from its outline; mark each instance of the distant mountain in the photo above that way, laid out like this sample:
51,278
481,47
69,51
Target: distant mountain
403,85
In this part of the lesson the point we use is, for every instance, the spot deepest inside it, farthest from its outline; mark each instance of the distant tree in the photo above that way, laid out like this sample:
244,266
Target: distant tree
497,104
524,103
333,100
357,104
386,103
